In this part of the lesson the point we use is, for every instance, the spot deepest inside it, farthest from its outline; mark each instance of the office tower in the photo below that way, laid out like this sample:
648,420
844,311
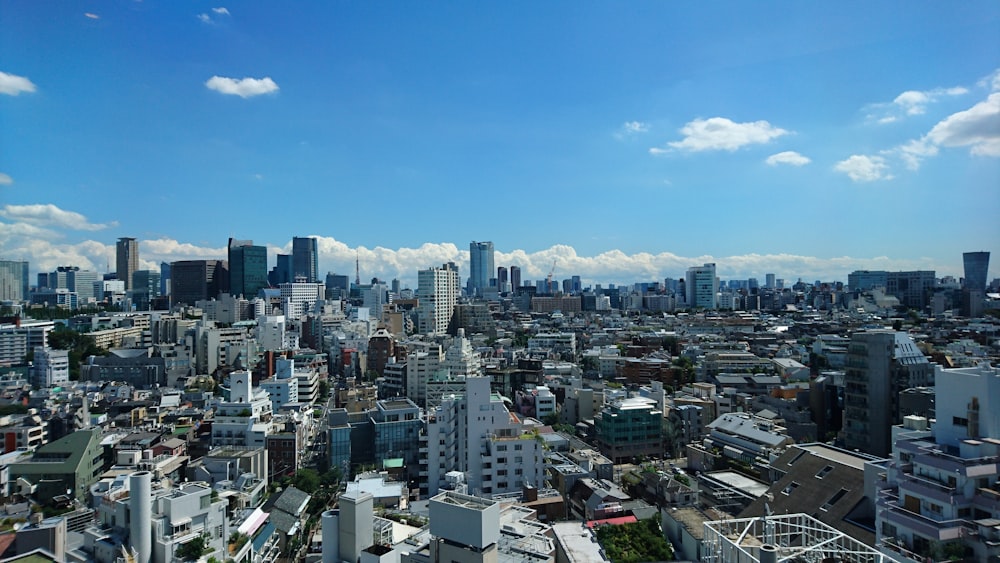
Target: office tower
913,289
82,282
880,364
337,286
437,293
126,260
145,288
247,268
480,266
977,264
503,283
282,270
769,281
305,259
515,277
164,278
702,286
13,280
197,280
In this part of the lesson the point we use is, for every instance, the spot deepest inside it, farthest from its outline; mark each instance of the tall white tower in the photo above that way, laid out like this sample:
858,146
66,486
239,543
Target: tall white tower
140,505
437,294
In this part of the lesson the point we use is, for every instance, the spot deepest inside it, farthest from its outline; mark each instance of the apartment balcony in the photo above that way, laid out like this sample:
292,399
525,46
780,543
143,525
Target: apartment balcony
928,488
892,511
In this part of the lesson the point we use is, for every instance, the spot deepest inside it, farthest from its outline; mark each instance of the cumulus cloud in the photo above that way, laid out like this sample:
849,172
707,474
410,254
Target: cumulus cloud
244,87
913,152
864,168
977,128
5,179
910,102
12,84
221,11
49,215
720,133
791,158
204,18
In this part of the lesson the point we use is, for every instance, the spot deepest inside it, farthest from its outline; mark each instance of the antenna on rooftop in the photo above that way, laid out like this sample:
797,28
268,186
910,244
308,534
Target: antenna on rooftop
357,267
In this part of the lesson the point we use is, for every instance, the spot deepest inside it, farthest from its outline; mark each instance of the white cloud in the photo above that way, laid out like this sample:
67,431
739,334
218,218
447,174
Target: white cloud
91,15
221,11
205,18
48,215
977,128
12,84
720,133
910,102
991,82
5,179
914,152
630,128
863,168
244,88
788,157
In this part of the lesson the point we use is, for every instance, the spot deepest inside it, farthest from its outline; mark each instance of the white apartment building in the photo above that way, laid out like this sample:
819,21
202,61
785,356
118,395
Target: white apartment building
437,293
942,495
421,366
51,367
478,436
245,419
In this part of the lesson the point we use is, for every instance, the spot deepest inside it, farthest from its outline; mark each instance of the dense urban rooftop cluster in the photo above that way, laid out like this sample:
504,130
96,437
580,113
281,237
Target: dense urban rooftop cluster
219,410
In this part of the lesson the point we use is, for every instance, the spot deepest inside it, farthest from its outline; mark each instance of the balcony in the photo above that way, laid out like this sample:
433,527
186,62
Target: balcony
923,487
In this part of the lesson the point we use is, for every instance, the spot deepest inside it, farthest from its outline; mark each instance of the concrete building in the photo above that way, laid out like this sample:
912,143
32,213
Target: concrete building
73,462
479,437
298,298
437,294
941,498
197,280
880,364
629,428
245,419
51,367
13,280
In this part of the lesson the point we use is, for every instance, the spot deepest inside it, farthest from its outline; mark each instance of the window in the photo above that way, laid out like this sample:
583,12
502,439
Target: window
502,448
824,472
833,500
790,487
518,459
959,421
501,460
518,447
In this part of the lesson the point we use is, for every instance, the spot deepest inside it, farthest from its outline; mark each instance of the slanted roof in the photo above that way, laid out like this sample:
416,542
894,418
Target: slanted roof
292,501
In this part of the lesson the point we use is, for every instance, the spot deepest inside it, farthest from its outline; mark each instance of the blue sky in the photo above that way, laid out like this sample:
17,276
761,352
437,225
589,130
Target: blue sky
625,141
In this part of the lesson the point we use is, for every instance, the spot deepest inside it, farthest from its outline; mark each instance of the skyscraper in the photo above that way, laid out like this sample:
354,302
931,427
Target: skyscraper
305,259
480,266
977,264
13,280
247,268
437,293
515,278
702,286
126,260
197,280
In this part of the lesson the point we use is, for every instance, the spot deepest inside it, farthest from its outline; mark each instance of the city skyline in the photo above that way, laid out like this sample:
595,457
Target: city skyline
623,144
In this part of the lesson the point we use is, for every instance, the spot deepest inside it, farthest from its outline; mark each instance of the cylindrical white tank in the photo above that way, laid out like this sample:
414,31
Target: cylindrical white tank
140,504
331,536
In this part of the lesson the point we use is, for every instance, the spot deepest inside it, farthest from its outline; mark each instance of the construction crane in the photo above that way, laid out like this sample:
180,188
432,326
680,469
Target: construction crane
548,282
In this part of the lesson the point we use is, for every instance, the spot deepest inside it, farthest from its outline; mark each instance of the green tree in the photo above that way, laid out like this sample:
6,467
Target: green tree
192,550
79,345
306,480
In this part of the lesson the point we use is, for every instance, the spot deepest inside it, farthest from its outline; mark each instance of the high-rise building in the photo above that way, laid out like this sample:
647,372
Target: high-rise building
913,289
198,280
480,267
126,259
305,259
82,282
164,278
769,281
247,268
515,277
437,293
977,265
338,286
503,281
702,287
282,270
13,280
880,364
